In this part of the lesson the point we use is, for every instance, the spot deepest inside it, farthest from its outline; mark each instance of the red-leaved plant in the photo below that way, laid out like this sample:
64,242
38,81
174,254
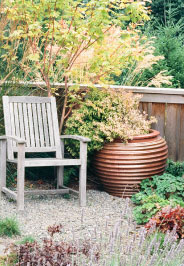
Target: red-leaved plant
168,219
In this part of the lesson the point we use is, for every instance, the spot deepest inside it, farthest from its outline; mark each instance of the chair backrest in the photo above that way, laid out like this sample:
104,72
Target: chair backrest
33,119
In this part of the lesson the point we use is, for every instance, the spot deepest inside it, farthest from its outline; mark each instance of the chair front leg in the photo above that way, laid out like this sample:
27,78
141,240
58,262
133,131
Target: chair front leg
60,176
20,177
60,169
2,165
83,174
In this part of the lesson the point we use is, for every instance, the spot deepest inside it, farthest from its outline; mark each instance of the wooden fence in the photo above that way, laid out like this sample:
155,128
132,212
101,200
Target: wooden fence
167,105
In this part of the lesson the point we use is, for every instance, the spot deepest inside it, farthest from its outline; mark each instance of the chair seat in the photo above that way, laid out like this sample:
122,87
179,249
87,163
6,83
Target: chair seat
37,162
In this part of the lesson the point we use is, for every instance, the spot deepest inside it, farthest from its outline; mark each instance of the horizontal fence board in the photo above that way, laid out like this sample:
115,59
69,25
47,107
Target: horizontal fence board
161,98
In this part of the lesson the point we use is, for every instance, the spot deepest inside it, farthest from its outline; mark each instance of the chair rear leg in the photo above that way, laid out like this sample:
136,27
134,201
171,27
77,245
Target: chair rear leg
2,165
60,176
20,177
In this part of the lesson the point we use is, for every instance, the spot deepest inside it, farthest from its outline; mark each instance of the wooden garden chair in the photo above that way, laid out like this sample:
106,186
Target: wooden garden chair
31,126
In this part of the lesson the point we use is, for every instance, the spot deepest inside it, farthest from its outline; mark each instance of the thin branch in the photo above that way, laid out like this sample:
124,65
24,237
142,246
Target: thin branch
72,19
85,48
2,81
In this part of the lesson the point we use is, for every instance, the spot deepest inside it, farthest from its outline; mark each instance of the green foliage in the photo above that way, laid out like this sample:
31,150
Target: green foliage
106,115
175,168
160,8
9,227
150,205
167,37
69,173
169,43
159,191
166,186
27,239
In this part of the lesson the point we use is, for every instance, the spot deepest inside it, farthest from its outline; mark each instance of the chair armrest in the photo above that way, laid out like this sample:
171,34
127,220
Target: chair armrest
80,138
18,140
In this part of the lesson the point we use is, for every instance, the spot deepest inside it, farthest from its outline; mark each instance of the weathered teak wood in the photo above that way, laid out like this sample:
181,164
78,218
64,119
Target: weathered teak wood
2,164
31,125
47,192
11,194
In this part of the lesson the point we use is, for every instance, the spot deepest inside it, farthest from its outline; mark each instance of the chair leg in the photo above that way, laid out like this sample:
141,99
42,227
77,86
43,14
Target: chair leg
60,176
2,165
20,177
83,174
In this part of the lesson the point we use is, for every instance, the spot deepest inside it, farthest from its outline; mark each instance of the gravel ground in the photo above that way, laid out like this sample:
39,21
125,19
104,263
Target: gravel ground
102,212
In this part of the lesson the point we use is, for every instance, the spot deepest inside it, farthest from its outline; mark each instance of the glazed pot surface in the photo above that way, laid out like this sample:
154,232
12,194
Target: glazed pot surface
121,167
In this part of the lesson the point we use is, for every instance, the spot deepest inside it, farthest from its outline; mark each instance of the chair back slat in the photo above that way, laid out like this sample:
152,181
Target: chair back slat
45,124
26,125
21,126
17,121
40,123
50,124
35,120
31,130
12,120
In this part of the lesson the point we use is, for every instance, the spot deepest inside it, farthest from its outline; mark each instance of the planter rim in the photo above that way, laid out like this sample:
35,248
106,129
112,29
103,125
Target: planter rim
138,138
153,133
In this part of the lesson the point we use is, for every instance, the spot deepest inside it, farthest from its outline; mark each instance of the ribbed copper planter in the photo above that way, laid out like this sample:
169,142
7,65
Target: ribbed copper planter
121,167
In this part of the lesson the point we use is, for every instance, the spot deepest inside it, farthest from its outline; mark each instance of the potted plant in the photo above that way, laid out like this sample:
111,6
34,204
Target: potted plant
124,148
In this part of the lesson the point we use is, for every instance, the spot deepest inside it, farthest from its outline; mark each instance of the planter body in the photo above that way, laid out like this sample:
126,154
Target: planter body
121,167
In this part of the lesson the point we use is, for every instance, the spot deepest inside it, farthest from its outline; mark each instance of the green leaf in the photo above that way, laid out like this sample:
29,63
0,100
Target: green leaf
33,57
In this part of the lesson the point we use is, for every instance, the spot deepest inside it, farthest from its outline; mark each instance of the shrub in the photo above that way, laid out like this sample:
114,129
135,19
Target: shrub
160,8
159,191
150,205
169,219
168,42
105,115
166,186
9,227
175,168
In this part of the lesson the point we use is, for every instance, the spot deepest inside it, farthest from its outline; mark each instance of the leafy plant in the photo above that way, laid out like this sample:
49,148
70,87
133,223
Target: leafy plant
54,229
27,239
106,115
150,205
175,168
158,192
167,37
166,186
9,227
160,8
169,219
